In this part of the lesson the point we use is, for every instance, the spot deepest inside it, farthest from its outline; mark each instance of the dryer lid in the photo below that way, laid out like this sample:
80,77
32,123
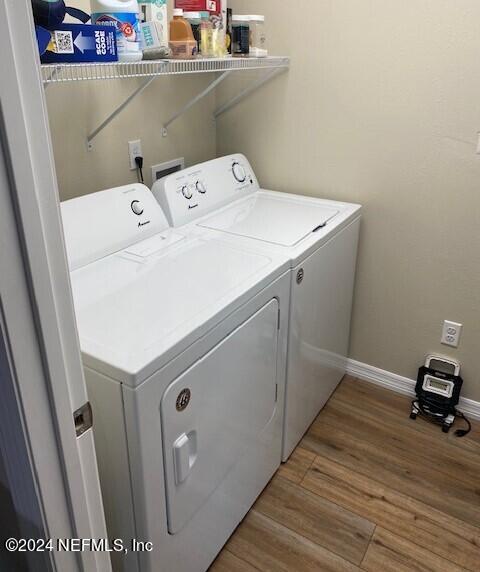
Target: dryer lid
276,220
135,306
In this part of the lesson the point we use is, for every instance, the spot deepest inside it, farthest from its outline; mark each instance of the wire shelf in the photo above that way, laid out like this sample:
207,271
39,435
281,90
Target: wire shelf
60,73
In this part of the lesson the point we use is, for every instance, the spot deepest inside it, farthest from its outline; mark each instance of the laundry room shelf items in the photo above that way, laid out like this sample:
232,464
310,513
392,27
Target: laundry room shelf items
152,70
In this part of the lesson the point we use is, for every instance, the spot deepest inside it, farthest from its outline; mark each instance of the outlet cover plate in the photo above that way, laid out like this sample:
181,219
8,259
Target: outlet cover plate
451,333
134,150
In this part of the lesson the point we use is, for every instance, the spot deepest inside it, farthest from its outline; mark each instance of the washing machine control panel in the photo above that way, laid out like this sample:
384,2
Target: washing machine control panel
194,192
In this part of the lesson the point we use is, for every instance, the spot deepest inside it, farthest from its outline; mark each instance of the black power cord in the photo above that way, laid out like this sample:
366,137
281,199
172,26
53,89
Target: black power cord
139,163
463,432
439,417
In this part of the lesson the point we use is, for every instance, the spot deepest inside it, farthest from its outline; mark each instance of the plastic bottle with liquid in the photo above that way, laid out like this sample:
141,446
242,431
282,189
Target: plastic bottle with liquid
125,16
182,43
206,36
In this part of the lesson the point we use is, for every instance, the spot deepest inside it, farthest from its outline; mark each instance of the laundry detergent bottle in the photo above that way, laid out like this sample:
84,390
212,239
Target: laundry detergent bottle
125,16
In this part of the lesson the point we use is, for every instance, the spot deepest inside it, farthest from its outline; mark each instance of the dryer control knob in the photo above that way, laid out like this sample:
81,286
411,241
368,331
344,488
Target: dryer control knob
137,207
186,192
239,172
201,188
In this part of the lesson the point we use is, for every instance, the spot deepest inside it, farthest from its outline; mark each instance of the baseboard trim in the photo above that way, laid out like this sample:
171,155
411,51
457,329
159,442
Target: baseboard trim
403,385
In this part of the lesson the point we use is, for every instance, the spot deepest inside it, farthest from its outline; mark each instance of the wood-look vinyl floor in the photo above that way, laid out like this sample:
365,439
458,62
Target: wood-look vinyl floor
366,489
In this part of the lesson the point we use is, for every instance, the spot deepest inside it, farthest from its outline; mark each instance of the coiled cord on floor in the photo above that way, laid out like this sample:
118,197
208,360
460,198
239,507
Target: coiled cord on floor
439,417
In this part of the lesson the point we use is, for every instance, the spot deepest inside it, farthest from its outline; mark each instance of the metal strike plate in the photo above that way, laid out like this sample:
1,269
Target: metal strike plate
83,419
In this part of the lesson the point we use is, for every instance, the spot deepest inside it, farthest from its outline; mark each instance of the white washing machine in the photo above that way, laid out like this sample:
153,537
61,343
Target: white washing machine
184,345
319,237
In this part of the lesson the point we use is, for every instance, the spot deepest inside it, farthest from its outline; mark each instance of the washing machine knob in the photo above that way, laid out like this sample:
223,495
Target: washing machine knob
239,172
186,192
137,207
201,187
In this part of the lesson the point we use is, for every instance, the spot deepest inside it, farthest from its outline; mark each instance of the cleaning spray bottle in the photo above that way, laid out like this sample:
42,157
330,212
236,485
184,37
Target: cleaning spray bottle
125,16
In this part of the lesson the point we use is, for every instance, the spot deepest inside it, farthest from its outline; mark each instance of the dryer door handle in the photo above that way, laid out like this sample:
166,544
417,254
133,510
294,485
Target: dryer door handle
184,455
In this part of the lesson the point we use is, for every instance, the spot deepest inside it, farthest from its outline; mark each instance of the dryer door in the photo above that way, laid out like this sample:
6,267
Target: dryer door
217,412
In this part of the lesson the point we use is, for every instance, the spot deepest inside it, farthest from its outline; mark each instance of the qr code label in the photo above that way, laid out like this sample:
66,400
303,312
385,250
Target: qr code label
64,41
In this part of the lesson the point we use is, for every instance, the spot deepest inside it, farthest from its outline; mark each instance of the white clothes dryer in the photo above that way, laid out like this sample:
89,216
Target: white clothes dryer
184,347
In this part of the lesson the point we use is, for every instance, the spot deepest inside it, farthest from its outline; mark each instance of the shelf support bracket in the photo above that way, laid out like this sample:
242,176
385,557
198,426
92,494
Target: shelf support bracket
52,76
248,90
117,111
194,101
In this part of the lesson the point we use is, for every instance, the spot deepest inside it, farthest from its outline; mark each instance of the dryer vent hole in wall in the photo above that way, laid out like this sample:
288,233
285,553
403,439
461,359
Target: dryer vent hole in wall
168,168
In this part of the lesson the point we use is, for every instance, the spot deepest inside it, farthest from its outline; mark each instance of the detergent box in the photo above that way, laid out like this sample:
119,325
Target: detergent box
75,43
212,6
154,25
154,11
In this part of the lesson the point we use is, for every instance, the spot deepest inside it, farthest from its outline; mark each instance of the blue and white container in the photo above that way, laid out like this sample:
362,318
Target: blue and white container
125,16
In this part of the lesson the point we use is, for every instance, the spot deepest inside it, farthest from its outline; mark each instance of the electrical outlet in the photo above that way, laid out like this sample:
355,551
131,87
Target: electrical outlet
134,150
451,333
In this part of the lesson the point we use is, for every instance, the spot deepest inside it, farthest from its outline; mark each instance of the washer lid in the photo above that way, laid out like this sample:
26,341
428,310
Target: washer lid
277,220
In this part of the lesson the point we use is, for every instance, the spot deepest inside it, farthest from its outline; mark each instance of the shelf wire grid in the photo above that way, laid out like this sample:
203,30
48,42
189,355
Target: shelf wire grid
60,73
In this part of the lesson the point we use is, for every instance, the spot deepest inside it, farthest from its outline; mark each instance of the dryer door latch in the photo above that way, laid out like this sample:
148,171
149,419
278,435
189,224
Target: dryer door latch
184,455
83,419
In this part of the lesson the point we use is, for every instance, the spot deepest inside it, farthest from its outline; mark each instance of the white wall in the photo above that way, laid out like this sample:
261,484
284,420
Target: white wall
77,109
382,107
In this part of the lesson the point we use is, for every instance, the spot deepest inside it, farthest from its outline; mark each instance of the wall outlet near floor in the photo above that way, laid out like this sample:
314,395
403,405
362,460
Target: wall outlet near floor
134,150
451,333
